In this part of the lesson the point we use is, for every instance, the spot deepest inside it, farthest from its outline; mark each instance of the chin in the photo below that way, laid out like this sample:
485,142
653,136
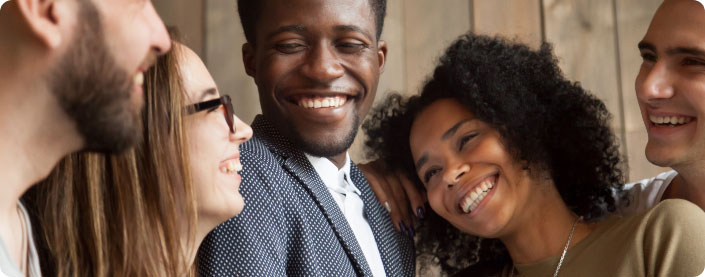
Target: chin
660,156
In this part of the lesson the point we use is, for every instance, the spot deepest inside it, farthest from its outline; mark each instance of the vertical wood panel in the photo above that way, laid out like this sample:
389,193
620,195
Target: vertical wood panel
417,31
633,17
583,35
514,19
187,15
430,26
224,57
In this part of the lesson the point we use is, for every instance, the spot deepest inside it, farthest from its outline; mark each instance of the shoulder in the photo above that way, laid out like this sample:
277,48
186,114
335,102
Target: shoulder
675,212
663,178
672,241
644,194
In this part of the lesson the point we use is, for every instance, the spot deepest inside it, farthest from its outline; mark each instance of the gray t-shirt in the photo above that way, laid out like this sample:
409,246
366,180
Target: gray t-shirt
8,268
645,194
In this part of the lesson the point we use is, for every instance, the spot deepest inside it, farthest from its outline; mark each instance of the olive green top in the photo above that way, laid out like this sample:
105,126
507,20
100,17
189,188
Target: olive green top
668,240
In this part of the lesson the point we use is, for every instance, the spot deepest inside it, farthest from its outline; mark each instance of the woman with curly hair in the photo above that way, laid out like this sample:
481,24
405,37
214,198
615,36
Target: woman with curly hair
509,150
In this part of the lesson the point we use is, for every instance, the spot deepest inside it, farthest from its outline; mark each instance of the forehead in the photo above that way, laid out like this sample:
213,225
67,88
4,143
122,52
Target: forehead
677,23
196,77
430,125
316,13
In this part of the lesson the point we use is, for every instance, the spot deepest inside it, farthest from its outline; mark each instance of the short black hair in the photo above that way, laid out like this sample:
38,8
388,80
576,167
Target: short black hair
250,11
544,120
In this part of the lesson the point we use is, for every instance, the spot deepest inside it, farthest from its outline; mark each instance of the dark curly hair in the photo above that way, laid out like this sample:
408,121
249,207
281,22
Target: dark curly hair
250,11
544,120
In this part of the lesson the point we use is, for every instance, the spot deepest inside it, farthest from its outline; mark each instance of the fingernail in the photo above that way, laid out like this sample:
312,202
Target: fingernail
411,229
402,227
419,212
386,206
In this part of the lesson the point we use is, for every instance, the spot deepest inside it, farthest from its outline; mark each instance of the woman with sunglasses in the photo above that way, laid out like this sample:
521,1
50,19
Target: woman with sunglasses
146,211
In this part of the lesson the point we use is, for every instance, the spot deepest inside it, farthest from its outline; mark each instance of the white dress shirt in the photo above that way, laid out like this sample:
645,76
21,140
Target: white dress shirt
347,196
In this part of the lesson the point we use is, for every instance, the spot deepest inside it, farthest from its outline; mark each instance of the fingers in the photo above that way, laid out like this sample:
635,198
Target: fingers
397,192
417,199
381,187
377,184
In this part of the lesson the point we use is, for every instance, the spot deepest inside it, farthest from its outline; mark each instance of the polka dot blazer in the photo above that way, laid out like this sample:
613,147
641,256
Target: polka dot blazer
291,225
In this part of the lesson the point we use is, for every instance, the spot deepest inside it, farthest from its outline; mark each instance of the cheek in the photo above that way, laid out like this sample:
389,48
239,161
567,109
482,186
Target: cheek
437,201
128,39
273,68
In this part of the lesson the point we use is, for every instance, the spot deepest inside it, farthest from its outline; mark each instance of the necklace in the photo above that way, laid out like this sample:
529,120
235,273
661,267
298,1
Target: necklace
565,249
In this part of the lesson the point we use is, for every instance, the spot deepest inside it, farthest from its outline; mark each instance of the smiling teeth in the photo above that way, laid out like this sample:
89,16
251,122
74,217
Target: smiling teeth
322,102
669,120
231,167
473,199
139,79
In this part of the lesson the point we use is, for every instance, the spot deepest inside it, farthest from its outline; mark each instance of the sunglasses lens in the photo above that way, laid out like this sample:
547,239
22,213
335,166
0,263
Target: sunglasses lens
229,113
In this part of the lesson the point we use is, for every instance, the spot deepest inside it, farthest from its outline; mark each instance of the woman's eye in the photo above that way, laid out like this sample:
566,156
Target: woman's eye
464,140
430,173
213,109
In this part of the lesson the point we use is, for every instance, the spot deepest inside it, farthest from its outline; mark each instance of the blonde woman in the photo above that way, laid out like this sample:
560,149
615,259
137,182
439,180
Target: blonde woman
144,212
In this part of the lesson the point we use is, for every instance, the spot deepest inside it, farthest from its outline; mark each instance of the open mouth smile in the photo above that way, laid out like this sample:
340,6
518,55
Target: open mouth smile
320,102
472,200
232,166
670,121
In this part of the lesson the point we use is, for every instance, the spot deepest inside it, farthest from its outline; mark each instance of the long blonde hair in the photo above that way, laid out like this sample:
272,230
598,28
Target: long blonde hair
124,214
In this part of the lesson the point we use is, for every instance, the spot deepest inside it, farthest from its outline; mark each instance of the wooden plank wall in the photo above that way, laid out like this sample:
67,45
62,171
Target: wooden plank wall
595,41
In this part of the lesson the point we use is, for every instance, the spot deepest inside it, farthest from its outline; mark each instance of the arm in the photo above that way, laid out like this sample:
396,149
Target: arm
397,193
673,240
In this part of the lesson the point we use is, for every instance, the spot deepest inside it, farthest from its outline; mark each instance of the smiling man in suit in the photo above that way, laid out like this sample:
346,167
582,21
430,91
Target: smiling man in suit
309,210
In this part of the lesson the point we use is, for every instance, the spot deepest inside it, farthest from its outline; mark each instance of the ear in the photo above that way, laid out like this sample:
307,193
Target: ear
248,59
382,54
45,18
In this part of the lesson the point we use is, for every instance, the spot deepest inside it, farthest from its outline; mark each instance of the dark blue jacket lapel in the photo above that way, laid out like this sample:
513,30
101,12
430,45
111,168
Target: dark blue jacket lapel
298,165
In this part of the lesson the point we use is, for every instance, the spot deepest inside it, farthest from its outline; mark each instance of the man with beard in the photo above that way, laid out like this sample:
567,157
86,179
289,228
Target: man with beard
309,210
71,80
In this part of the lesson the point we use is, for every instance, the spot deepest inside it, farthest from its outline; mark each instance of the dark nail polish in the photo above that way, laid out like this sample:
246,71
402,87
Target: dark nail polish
419,212
402,227
411,229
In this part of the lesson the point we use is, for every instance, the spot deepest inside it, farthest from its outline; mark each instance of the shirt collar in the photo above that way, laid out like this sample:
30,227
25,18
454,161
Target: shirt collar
329,172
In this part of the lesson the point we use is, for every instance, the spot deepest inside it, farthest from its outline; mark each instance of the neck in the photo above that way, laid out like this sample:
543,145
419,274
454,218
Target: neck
545,229
37,134
689,184
339,160
203,227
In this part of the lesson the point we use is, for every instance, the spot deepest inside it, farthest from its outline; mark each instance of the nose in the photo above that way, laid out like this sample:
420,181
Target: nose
454,172
654,83
243,132
158,35
322,64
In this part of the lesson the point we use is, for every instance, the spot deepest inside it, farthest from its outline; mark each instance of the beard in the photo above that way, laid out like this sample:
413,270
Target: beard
94,91
325,147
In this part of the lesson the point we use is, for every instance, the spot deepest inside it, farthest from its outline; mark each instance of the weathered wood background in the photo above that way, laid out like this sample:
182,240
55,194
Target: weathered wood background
595,41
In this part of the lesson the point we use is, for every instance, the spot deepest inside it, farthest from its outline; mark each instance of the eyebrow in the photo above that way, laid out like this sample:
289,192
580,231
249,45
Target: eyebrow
297,28
449,133
353,28
674,50
646,46
206,93
686,50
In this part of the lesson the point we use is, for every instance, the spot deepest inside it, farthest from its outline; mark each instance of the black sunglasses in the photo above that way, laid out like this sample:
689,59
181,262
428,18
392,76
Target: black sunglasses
211,105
